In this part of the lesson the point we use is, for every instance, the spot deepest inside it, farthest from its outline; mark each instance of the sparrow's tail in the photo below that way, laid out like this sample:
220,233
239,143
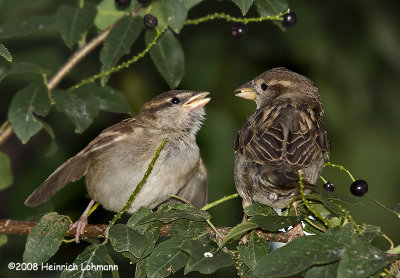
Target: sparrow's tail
72,170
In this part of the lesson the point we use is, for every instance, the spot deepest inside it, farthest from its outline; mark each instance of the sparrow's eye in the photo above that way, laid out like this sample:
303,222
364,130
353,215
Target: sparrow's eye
175,100
264,86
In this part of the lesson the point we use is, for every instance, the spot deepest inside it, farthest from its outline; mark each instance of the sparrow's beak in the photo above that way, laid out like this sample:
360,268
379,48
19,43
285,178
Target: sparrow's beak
246,91
198,100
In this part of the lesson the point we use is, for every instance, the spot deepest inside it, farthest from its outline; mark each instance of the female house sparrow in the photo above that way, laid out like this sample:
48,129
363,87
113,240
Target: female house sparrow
283,135
116,160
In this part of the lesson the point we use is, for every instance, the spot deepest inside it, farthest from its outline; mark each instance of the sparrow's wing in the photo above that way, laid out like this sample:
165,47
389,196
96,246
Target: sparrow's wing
77,166
284,136
195,191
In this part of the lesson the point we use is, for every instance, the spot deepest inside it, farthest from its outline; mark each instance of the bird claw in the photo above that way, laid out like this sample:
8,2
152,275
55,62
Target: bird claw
80,227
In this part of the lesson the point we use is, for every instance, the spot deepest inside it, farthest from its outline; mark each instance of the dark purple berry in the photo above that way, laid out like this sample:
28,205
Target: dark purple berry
239,30
122,3
144,2
150,21
359,188
329,186
289,19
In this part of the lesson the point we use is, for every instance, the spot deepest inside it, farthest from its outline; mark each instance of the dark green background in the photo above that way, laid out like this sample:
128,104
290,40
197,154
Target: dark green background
350,49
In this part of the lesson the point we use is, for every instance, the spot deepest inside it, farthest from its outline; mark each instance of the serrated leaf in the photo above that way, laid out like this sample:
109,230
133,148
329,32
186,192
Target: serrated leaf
170,13
323,271
204,258
34,98
168,57
302,253
187,229
274,223
362,259
78,106
119,42
73,22
134,220
271,7
108,13
254,252
125,239
83,104
244,5
45,238
26,26
191,3
259,209
5,53
95,254
14,68
166,258
236,232
167,216
6,177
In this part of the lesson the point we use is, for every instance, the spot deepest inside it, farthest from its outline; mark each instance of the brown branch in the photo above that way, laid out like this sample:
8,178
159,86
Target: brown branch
14,227
5,132
77,57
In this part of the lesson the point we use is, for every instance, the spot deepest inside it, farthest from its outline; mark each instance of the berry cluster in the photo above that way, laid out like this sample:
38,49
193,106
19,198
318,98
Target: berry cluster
150,21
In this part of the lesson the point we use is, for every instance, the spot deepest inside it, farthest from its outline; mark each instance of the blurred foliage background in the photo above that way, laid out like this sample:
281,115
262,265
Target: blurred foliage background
350,49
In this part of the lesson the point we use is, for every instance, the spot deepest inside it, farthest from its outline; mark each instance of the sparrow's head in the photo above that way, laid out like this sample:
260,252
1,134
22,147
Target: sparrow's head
279,83
177,110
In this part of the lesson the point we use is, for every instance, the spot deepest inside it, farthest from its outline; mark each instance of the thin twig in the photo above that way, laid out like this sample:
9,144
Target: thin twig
77,57
219,201
5,131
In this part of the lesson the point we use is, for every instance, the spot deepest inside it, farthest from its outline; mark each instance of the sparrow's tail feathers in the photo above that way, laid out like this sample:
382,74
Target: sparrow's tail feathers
72,170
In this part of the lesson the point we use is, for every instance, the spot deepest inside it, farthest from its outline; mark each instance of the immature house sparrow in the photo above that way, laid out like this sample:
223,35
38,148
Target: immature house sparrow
116,160
283,135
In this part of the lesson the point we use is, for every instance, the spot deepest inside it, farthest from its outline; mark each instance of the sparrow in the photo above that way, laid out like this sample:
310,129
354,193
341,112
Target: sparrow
117,159
282,136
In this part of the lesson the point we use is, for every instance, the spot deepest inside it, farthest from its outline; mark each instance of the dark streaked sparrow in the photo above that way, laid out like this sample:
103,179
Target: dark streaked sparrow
116,160
282,136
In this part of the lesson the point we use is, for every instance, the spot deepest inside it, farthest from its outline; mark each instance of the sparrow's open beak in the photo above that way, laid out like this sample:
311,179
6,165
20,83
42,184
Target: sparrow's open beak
198,100
246,91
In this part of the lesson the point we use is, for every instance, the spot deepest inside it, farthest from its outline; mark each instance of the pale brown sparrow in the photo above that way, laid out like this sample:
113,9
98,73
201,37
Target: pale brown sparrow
116,160
282,136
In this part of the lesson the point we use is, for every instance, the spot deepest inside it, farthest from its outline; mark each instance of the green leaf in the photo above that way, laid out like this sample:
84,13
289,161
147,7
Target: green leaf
3,239
255,251
119,42
95,254
6,177
244,5
45,238
108,13
191,3
323,271
363,260
302,253
271,7
168,57
204,258
236,232
134,220
166,258
34,98
125,239
83,104
141,268
73,22
30,25
259,209
14,68
187,229
5,53
369,232
79,107
170,13
274,222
